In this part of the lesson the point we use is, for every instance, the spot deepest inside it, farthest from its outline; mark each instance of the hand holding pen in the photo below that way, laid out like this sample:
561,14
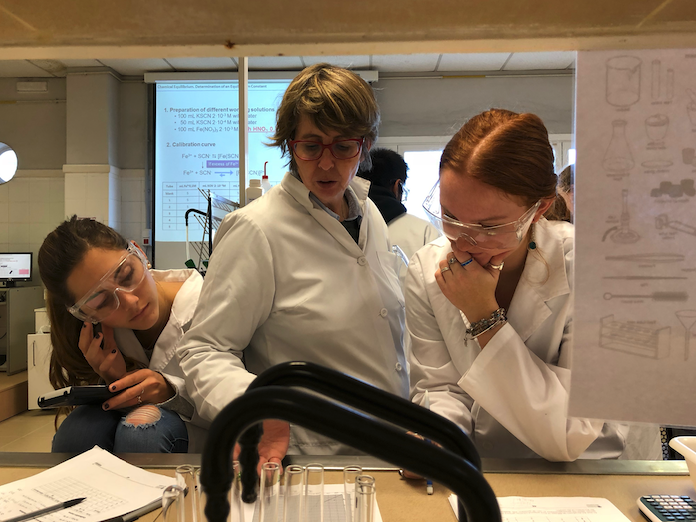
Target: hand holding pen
410,475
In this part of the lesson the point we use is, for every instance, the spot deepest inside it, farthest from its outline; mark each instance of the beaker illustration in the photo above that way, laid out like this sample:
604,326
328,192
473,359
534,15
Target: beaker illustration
656,127
687,318
623,81
618,156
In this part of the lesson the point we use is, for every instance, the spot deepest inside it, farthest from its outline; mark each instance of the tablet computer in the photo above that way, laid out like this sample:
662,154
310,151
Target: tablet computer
76,396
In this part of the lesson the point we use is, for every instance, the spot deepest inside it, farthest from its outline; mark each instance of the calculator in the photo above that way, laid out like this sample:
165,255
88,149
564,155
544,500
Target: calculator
659,508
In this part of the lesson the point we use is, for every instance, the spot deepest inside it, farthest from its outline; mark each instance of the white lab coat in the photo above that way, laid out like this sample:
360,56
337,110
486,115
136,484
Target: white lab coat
287,282
410,233
512,396
163,358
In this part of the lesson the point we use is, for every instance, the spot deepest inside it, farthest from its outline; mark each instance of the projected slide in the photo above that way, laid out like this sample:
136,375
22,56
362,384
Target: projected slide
197,147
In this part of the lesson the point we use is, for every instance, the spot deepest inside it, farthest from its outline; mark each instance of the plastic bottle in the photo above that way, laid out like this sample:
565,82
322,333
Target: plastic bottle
265,184
254,190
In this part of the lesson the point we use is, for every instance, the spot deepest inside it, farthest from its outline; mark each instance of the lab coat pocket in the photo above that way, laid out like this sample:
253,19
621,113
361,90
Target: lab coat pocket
391,265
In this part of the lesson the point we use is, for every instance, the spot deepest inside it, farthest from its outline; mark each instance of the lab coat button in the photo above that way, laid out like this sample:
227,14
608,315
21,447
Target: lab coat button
383,312
362,261
399,367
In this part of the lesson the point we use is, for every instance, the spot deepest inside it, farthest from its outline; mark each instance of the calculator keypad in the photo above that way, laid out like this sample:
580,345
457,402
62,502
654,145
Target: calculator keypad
672,507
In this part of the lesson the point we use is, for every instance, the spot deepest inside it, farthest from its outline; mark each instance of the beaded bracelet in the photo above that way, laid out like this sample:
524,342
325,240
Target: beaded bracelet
482,326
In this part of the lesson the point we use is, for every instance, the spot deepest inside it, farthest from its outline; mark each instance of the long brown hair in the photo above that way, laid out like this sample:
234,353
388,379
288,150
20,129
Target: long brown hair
62,251
505,150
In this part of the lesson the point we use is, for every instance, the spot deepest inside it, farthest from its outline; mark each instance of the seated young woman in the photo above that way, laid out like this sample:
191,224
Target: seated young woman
489,306
95,277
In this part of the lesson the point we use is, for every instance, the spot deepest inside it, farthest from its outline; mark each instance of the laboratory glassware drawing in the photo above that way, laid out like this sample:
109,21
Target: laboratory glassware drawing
622,233
623,81
688,156
691,106
656,127
648,258
662,221
657,91
667,188
687,318
644,278
618,158
634,338
654,296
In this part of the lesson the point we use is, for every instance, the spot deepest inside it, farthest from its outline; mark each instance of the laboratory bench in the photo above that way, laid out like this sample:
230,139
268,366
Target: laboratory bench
399,500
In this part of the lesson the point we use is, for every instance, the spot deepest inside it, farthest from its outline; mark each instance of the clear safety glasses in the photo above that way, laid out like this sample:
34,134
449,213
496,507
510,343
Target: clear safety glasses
101,301
486,237
309,150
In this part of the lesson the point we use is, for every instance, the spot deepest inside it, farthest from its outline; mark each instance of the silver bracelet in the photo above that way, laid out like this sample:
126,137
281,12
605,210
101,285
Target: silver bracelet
484,325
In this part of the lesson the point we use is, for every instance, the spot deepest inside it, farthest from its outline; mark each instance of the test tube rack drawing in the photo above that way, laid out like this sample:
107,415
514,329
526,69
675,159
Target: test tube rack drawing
688,319
634,338
648,258
622,233
662,221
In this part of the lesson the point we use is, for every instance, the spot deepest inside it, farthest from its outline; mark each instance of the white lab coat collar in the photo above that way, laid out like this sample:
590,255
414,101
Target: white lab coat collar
360,187
545,276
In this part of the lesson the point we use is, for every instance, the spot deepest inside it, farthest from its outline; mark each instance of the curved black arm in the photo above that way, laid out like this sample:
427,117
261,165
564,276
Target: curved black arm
374,401
476,498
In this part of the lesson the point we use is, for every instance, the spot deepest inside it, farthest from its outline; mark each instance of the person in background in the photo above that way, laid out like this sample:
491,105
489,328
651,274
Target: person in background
387,189
306,271
566,189
94,276
490,305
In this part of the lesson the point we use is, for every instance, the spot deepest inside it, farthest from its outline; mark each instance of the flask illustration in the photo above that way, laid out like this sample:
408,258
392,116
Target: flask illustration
623,81
618,158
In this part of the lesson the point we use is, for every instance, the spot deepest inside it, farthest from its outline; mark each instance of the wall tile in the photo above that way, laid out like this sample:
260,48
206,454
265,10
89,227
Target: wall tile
18,233
4,233
4,193
39,189
18,190
18,212
75,186
97,186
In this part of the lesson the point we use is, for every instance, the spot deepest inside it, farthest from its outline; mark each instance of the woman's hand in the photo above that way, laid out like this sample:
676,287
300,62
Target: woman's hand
139,387
471,288
108,362
273,444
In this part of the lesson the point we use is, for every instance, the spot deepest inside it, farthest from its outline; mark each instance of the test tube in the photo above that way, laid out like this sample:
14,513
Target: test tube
200,496
185,478
350,473
270,492
314,493
364,498
235,496
173,504
294,490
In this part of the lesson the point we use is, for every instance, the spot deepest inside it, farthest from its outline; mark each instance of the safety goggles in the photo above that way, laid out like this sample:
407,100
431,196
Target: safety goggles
310,150
486,237
102,300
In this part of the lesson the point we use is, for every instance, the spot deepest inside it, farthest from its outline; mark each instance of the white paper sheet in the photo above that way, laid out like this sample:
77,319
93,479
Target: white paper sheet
555,509
112,488
634,354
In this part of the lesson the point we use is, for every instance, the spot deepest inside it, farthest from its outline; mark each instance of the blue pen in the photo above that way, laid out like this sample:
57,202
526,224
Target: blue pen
428,482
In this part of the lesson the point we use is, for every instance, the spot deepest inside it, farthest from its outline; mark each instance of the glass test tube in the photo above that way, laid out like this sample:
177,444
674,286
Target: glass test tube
235,496
364,498
350,473
185,478
294,493
200,496
269,494
314,493
173,504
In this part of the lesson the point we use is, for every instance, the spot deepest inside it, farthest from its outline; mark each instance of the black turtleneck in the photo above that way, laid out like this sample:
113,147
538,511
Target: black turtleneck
390,207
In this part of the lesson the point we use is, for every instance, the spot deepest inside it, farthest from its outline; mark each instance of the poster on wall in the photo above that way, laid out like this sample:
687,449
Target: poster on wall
634,353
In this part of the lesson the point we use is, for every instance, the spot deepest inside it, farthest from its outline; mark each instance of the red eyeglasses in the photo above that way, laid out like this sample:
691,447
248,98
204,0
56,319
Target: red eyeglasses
309,150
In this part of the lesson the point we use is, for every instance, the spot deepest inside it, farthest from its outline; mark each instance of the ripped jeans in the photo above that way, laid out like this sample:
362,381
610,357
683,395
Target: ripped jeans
146,429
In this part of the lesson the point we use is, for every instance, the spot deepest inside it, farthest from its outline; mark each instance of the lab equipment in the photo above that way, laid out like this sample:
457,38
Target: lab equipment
239,421
314,493
350,474
265,183
623,80
173,508
186,480
618,157
667,508
294,494
254,190
364,498
269,492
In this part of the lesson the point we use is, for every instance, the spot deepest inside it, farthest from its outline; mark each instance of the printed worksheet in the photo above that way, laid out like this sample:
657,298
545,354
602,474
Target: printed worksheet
634,352
555,509
111,487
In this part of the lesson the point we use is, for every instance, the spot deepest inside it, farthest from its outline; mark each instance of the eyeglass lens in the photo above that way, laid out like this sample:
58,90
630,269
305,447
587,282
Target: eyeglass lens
125,278
342,149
